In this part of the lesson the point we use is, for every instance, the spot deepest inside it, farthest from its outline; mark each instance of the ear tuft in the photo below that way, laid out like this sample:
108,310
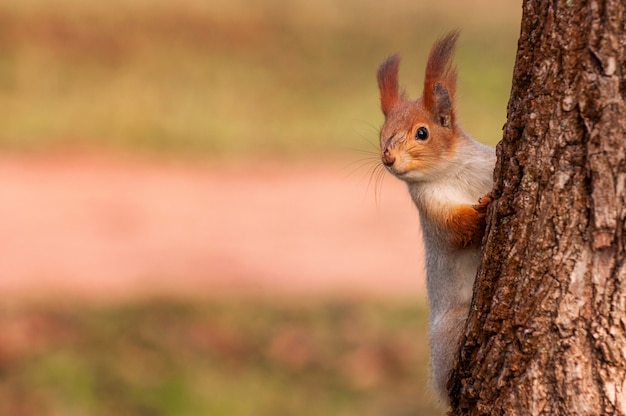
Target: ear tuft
388,83
440,80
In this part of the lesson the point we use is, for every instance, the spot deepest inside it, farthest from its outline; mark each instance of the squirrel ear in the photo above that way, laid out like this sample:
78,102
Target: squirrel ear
388,83
443,109
440,80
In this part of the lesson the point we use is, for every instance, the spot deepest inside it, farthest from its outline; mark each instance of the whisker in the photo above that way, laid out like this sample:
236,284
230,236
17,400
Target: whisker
377,171
377,176
359,164
373,144
367,138
372,148
364,151
373,180
380,179
369,125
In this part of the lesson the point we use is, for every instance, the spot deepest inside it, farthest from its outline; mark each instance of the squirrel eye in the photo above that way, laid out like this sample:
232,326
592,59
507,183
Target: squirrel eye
421,133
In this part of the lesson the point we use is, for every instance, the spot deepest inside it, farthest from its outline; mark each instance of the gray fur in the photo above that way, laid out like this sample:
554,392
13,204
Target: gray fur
450,272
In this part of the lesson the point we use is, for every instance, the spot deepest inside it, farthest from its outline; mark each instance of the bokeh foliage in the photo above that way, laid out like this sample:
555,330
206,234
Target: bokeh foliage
234,77
167,357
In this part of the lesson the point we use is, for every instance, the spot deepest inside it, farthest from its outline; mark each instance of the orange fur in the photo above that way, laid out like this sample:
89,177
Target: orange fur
439,69
387,77
434,110
444,168
412,154
466,223
466,226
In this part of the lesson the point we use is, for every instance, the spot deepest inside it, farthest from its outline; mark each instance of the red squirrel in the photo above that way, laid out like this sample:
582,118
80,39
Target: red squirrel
449,176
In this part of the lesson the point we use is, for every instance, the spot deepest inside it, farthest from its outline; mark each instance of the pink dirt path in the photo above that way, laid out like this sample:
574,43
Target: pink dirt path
110,228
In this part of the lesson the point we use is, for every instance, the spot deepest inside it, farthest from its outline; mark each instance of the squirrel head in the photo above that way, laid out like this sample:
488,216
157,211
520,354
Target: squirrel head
418,136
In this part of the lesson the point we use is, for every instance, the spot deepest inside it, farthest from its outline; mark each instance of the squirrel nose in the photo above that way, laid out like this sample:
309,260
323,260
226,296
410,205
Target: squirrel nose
387,158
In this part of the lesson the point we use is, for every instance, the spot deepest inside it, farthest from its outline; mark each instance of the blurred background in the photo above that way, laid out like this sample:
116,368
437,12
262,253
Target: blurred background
192,221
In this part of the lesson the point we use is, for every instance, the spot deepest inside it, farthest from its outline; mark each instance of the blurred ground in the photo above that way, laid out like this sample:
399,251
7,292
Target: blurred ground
110,228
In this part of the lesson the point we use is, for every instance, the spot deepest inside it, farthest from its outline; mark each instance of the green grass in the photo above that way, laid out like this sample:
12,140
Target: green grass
215,358
236,77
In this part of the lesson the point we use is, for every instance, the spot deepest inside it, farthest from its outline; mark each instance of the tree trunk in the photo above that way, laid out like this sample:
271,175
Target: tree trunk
547,330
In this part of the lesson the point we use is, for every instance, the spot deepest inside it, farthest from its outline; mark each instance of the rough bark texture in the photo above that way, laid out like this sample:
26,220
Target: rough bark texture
547,330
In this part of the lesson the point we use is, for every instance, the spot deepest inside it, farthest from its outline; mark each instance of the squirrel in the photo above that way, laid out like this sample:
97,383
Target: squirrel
449,176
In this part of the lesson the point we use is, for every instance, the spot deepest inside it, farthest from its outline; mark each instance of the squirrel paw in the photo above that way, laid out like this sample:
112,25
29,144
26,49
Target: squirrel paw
467,223
481,219
483,203
479,224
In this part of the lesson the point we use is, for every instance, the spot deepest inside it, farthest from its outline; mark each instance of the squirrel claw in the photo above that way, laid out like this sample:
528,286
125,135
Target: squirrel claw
481,218
483,203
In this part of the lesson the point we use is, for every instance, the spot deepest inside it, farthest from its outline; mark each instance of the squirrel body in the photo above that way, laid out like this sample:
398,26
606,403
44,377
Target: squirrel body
449,176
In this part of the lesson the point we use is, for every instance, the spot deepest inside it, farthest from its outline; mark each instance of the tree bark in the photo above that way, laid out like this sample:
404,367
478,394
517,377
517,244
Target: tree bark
547,331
